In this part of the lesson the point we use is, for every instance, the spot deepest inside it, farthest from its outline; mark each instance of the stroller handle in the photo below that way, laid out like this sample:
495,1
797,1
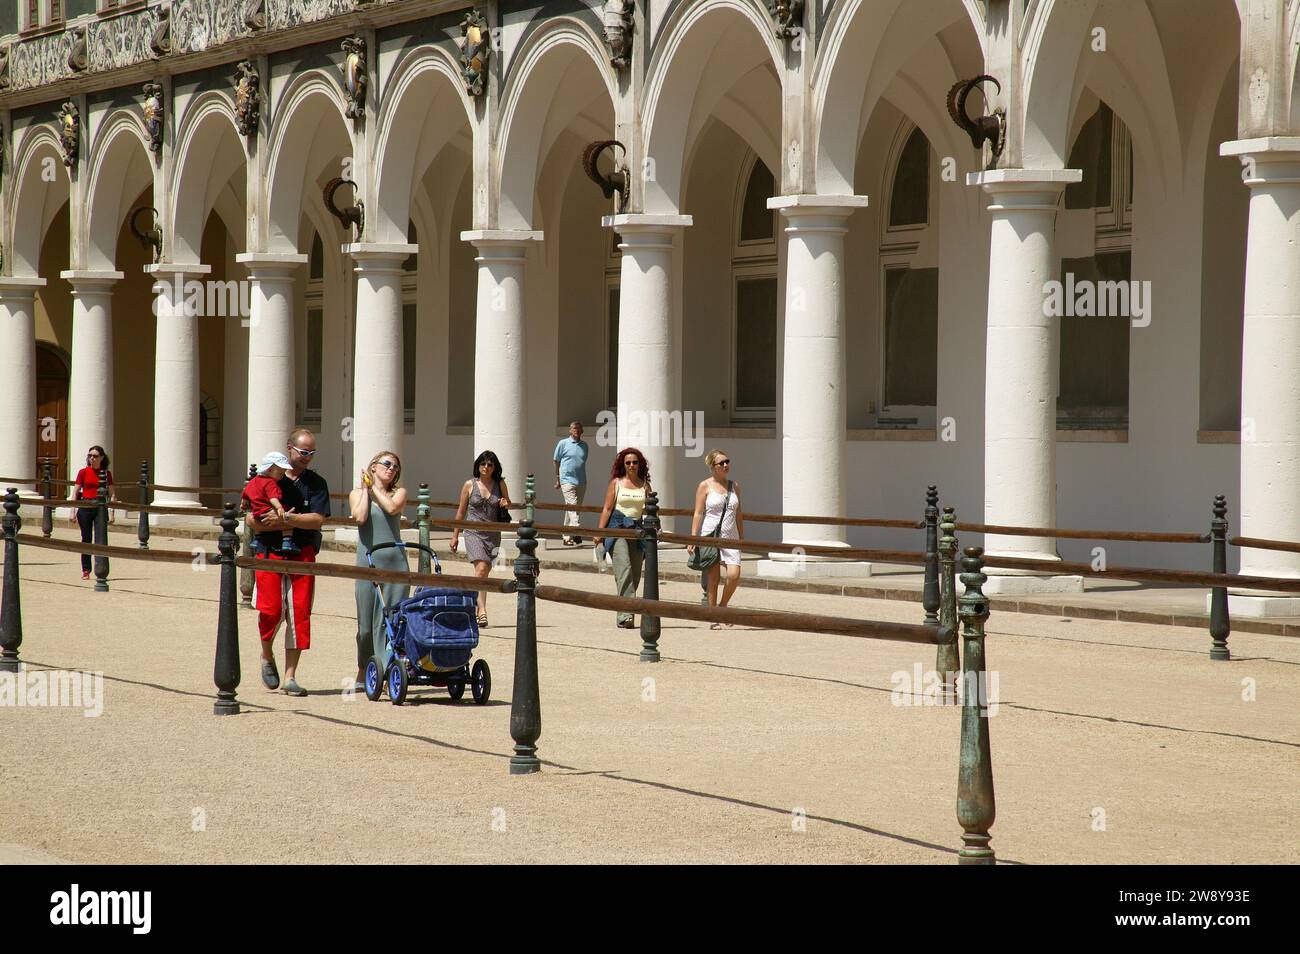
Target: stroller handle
437,566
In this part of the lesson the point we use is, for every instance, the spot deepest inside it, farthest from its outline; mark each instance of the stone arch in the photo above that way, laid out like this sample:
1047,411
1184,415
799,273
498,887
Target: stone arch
307,129
681,95
36,201
422,113
866,49
208,154
546,94
120,169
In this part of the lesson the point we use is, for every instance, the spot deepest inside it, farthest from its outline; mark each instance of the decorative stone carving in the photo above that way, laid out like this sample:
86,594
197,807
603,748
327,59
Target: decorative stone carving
153,115
255,15
617,18
788,15
248,98
354,76
160,42
124,40
69,132
4,67
475,45
77,58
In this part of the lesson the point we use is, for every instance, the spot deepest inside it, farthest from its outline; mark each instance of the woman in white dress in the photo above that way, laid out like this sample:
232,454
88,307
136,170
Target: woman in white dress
718,498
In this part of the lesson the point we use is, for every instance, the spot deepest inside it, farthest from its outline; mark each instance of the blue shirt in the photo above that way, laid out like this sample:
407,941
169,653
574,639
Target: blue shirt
572,456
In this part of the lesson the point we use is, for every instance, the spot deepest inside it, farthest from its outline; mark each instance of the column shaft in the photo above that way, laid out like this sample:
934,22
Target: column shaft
90,399
18,370
378,409
271,382
176,386
500,351
1270,376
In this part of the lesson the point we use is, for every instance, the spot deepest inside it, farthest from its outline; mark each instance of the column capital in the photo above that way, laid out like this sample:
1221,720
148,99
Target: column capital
379,255
500,238
1269,160
20,285
1025,181
1275,145
89,280
177,268
271,265
627,222
792,206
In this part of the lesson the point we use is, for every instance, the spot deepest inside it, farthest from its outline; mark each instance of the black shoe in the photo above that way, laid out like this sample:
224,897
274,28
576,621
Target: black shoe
270,675
577,541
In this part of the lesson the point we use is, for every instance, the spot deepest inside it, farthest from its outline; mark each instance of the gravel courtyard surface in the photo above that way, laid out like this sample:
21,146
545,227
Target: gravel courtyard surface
1112,742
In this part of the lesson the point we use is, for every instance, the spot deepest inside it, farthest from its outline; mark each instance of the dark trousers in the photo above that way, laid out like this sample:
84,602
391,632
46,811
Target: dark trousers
86,520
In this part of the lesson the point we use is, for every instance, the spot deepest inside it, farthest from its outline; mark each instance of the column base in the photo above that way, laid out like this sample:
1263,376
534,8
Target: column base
1003,585
811,569
1260,607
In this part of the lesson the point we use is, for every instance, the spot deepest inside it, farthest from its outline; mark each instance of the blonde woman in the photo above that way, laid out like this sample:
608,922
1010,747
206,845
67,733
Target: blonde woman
376,504
717,499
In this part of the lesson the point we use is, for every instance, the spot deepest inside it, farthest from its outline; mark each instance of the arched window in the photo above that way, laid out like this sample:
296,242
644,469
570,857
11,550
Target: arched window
909,304
754,299
314,299
909,199
209,437
1094,358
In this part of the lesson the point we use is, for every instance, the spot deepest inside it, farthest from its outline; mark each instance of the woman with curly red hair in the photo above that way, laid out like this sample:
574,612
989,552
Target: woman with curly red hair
629,483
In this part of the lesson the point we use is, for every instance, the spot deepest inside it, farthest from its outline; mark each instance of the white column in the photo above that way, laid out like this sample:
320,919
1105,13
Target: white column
814,411
1020,373
90,399
1270,369
271,382
175,386
378,411
500,351
648,397
18,372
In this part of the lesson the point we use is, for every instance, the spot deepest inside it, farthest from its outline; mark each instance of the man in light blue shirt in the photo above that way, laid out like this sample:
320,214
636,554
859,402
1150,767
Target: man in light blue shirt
571,475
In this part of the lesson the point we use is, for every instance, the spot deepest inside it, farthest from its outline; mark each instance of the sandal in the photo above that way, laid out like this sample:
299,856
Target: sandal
482,620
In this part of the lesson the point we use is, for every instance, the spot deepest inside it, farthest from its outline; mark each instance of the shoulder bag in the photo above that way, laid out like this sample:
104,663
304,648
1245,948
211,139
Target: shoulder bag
702,558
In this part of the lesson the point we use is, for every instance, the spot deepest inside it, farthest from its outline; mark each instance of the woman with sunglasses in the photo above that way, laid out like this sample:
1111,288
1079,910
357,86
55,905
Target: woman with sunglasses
86,487
629,483
376,504
482,498
717,499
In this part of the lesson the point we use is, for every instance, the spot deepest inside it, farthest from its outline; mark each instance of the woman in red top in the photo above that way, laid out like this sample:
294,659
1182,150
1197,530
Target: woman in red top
86,487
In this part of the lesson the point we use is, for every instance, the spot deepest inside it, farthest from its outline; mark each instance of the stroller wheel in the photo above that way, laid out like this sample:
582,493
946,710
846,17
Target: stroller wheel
374,681
481,685
398,682
456,689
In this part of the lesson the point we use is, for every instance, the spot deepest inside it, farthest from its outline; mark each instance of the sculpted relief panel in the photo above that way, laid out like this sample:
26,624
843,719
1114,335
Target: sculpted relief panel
200,24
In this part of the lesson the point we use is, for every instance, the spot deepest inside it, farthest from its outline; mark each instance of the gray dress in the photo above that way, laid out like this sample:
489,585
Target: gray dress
480,545
378,528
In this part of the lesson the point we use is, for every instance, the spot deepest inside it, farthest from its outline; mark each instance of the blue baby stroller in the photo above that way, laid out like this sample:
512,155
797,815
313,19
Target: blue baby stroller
429,639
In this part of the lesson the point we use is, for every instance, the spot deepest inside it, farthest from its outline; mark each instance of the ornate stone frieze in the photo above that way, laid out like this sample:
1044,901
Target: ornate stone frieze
200,24
4,67
121,41
160,42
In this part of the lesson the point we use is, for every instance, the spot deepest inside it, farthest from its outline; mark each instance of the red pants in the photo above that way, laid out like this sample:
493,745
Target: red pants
275,591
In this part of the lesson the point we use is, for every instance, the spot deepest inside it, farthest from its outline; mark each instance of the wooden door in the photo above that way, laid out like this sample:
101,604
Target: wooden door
51,410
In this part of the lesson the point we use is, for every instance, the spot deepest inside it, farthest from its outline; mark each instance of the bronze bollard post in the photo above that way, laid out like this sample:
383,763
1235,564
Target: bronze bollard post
930,589
47,491
947,660
142,528
101,532
422,521
975,805
11,610
526,704
650,624
225,669
1220,624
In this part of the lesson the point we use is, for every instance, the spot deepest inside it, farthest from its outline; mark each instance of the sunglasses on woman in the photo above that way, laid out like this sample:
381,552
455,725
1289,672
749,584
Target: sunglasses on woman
386,463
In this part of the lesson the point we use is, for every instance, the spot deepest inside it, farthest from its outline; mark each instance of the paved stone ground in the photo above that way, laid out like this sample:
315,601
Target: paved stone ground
1126,725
